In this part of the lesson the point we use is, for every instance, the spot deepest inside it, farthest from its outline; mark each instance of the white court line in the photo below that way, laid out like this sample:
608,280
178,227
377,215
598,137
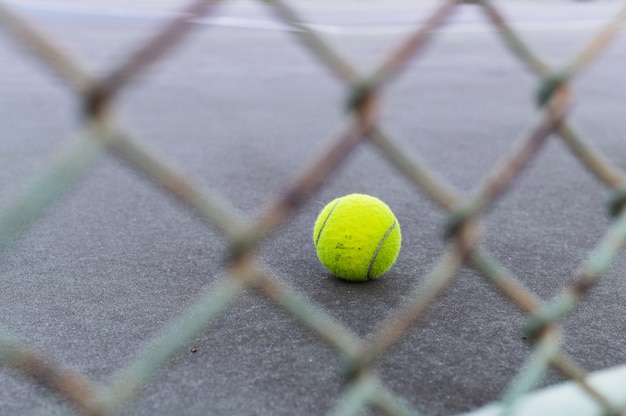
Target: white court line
350,30
158,10
82,9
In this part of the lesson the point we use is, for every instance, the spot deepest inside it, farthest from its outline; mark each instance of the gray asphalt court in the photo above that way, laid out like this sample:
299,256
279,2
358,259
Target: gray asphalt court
241,107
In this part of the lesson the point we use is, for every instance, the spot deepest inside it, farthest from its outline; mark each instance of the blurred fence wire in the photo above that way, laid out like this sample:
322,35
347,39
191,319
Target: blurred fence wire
99,133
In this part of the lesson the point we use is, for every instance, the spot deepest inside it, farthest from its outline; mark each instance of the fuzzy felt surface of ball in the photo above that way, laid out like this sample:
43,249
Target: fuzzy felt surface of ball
357,237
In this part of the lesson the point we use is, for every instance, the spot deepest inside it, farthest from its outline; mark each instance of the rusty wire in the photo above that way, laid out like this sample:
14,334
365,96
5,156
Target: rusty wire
100,133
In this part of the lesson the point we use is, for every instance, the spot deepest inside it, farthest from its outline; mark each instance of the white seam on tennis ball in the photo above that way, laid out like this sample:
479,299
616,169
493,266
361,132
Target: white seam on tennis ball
380,244
325,221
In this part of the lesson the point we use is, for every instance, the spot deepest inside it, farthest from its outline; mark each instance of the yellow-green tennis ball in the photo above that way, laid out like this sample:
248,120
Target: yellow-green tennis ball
357,237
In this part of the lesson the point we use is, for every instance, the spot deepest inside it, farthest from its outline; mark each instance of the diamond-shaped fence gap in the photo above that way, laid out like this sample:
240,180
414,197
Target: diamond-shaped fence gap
490,81
528,241
363,102
257,352
111,280
360,307
173,337
255,114
489,326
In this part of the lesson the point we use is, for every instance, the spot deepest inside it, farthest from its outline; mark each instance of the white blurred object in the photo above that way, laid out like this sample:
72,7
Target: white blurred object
567,399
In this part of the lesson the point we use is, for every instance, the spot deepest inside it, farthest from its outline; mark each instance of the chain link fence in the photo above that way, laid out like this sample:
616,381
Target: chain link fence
100,133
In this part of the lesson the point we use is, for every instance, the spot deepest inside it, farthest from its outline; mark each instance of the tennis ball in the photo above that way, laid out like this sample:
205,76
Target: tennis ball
357,237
